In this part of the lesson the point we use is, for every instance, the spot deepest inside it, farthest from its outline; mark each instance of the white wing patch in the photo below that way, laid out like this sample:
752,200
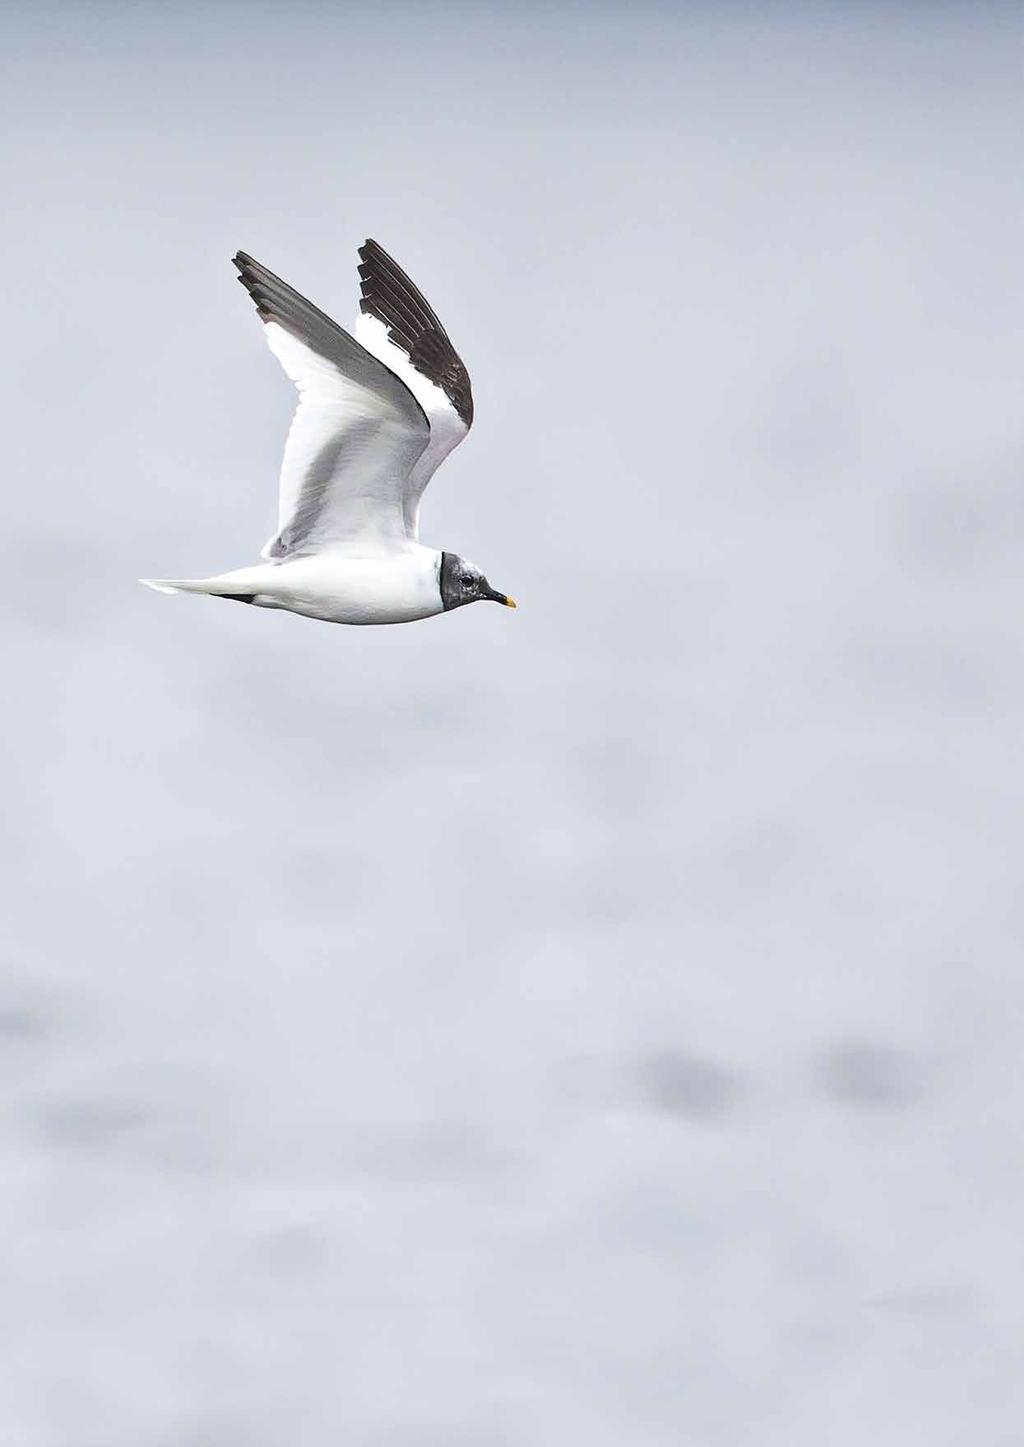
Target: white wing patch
349,458
447,429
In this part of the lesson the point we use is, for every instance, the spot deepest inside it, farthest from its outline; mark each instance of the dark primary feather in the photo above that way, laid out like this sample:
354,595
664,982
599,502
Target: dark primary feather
393,299
276,301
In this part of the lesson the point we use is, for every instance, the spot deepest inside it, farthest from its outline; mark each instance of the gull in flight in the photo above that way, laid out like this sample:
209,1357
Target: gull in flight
378,413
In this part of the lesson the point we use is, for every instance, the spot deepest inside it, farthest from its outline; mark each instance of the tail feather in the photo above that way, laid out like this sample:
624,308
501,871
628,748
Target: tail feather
228,585
178,585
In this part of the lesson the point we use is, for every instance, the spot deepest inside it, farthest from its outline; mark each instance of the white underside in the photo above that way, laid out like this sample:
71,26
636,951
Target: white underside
339,586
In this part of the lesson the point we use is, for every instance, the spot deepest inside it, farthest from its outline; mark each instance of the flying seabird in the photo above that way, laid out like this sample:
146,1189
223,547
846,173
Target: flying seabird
378,413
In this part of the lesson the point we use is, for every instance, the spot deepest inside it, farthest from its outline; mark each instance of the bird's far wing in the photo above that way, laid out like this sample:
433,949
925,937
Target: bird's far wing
399,327
357,433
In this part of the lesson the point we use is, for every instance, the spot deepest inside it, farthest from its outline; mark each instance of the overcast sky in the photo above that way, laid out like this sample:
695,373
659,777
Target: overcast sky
596,1024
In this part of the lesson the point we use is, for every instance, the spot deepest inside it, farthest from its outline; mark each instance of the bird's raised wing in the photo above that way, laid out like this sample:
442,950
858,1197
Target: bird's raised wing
356,436
399,327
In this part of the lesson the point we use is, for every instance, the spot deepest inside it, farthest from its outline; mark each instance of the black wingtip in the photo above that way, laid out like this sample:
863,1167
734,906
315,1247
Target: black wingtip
249,270
393,298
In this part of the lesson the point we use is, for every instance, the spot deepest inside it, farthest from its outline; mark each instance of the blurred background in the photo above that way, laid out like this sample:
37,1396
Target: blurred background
596,1024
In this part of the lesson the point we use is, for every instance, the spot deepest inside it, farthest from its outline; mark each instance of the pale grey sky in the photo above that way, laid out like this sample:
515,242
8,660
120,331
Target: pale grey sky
595,1024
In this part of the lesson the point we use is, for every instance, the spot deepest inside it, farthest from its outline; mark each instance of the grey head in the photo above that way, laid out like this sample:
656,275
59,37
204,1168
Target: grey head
461,583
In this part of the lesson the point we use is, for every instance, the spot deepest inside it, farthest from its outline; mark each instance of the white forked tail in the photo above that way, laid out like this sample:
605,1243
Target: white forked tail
239,583
181,585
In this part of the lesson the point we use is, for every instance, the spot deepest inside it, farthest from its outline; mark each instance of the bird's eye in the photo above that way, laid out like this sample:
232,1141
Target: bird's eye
466,581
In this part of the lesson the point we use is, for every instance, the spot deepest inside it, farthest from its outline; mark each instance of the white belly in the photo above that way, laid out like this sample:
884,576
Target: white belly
392,588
